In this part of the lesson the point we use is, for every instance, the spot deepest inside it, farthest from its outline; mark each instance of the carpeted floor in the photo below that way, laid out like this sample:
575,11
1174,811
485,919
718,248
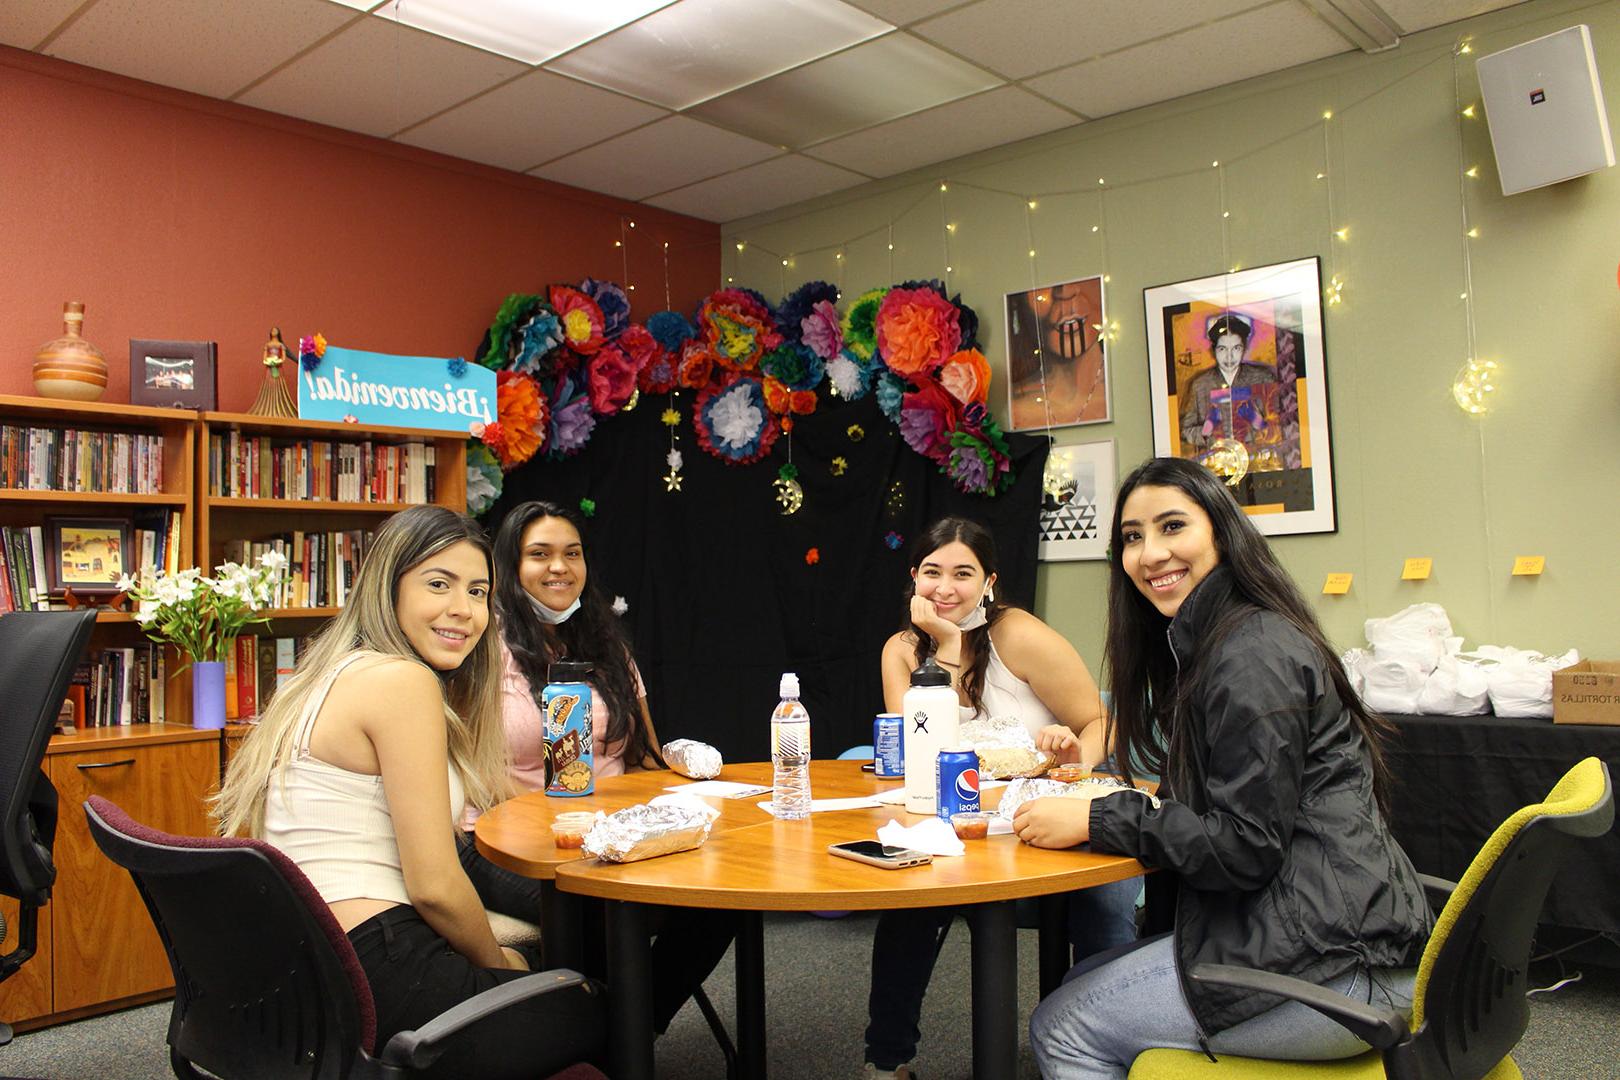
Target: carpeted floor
816,973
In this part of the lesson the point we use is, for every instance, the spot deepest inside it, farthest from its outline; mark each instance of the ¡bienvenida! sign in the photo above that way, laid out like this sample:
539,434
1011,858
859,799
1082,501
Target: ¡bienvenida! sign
403,391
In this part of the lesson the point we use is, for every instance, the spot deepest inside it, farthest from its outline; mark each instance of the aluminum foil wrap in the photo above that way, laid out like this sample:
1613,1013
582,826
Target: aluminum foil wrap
1005,747
1023,789
691,758
646,831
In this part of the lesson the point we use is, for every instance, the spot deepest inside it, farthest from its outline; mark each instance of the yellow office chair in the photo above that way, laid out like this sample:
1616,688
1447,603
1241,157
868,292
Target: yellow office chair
1468,1007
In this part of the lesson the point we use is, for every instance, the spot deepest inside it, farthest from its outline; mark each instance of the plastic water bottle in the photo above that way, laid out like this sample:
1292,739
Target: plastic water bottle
790,753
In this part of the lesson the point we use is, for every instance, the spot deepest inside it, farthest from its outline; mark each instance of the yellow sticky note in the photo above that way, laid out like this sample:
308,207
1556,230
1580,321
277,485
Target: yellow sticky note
1416,569
1337,584
1529,565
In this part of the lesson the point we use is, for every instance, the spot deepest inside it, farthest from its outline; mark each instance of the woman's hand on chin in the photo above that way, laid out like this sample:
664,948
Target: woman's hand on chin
929,621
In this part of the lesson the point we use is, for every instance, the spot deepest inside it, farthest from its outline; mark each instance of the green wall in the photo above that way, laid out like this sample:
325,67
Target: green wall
1415,476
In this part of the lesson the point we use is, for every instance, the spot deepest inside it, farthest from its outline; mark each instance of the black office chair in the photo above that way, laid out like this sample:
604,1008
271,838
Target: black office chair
38,652
266,984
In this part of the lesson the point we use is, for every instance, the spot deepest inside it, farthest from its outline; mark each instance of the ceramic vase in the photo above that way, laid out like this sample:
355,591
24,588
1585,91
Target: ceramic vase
70,367
208,693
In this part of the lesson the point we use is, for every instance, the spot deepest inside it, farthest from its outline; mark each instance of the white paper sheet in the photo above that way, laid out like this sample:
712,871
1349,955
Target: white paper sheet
818,806
720,789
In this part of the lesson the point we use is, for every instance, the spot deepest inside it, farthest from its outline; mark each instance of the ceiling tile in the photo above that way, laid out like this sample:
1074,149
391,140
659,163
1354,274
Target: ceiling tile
529,120
669,154
198,45
377,77
1023,37
1003,115
511,28
24,26
695,49
901,12
1414,15
869,84
788,179
1257,42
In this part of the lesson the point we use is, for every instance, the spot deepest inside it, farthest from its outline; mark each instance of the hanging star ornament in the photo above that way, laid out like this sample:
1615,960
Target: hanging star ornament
672,481
789,495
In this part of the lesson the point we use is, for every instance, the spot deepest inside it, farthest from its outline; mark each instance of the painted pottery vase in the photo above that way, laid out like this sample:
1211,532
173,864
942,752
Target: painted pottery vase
70,367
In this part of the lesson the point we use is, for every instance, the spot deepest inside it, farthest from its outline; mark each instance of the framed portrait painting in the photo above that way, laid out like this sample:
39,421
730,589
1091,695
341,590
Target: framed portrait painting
1238,377
1057,374
1077,501
88,555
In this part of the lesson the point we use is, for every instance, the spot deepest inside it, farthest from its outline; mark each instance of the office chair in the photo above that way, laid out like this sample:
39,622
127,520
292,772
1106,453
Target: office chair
1468,1007
40,651
267,986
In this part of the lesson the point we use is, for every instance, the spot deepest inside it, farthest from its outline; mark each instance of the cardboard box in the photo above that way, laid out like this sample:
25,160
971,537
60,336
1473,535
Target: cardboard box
1587,692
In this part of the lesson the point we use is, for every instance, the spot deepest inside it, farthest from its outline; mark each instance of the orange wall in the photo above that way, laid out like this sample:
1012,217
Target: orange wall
177,217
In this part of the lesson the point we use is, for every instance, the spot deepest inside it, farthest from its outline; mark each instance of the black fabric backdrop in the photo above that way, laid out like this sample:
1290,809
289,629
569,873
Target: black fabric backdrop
721,598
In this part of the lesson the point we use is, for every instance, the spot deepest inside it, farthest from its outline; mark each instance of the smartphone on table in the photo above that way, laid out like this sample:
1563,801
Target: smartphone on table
877,853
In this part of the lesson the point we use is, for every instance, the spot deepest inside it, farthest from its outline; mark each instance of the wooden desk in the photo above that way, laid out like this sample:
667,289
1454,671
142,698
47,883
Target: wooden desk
753,863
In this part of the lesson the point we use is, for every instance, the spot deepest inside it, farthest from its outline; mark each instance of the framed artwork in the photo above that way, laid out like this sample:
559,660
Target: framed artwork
1238,377
173,374
1077,501
1057,374
88,555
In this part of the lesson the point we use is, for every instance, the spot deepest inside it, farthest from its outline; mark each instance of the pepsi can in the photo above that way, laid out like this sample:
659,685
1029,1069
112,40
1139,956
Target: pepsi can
957,779
889,744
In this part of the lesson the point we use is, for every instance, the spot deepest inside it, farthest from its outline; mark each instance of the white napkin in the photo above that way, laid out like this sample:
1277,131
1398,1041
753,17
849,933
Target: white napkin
933,835
818,806
688,803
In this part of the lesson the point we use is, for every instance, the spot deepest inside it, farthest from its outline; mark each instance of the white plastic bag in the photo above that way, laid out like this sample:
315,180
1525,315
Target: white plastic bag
1391,684
1456,687
1420,634
1521,681
1353,660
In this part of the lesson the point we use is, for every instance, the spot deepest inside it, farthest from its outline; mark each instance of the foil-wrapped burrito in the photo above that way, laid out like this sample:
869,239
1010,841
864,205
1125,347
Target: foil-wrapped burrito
647,831
1024,789
691,758
1005,747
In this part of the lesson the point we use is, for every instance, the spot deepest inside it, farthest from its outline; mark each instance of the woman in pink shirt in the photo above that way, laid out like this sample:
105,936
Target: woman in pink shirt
550,609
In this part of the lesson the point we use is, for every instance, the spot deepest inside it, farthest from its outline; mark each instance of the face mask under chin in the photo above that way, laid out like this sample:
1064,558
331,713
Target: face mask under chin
547,615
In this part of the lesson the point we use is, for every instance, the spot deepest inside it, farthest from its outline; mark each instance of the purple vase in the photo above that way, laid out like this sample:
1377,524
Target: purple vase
208,693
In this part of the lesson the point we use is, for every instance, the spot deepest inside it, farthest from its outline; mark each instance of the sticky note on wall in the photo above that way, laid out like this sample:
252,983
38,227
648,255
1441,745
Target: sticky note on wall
1337,584
1416,569
1529,565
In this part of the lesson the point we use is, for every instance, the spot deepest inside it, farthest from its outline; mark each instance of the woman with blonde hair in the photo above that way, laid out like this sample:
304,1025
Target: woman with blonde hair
360,771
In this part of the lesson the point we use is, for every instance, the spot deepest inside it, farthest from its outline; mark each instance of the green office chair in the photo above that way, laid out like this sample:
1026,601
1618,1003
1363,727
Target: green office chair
1468,1007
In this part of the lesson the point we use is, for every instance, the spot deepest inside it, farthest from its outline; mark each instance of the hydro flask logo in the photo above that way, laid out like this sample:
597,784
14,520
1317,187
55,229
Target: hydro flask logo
919,722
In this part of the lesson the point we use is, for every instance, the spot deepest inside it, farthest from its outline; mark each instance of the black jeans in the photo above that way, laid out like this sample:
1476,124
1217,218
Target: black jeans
415,975
687,942
906,946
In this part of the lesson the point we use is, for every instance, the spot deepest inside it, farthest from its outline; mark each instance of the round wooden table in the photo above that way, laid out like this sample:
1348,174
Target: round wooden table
753,863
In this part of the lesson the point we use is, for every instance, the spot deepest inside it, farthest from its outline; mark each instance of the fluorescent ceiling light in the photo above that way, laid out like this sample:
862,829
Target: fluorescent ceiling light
1362,21
526,30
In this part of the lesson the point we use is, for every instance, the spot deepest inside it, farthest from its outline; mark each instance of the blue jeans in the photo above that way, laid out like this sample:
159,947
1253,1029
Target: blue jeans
906,946
1108,1011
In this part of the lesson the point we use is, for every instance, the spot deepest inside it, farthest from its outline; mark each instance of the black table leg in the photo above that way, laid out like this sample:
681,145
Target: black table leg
630,1008
1054,940
561,927
995,990
751,995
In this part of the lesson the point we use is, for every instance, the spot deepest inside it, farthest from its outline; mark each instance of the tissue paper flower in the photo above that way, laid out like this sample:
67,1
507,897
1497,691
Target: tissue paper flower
732,422
522,418
916,330
928,415
612,302
860,323
696,366
612,377
850,376
780,400
967,376
669,417
894,540
587,507
821,331
838,466
890,389
456,366
581,319
671,328
794,366
620,605
798,304
571,418
673,460
978,462
536,336
512,309
812,556
483,479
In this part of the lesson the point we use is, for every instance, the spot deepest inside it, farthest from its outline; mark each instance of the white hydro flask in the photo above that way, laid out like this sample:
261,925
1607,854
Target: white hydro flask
929,716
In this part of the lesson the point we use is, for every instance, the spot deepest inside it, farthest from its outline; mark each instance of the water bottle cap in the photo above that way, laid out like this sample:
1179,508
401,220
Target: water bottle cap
562,671
790,685
929,673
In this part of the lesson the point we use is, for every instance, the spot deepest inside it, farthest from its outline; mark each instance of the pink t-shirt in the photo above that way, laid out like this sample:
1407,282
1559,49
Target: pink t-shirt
525,727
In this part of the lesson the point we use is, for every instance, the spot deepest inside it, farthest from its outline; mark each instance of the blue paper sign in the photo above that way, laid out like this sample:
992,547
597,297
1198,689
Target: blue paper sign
403,391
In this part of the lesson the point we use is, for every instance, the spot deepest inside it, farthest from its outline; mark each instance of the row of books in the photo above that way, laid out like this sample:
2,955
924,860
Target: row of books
259,467
24,585
321,566
255,669
71,459
117,687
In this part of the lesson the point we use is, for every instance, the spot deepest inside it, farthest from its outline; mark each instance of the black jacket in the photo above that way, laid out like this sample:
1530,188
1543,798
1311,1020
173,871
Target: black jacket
1278,855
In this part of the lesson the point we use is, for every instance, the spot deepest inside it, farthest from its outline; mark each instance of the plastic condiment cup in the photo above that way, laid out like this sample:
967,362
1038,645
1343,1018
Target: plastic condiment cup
1069,774
971,824
568,830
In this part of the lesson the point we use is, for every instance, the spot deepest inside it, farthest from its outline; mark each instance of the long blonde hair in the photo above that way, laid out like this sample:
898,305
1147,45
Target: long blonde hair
369,622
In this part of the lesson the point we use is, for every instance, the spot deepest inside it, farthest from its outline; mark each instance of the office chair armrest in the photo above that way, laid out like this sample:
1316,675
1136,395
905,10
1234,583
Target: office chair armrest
1437,890
420,1048
1376,1026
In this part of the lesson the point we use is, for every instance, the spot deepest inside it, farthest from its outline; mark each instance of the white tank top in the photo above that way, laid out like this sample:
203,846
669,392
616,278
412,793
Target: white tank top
335,823
1005,694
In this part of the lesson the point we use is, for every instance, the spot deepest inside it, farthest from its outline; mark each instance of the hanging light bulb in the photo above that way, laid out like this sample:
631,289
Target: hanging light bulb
1475,386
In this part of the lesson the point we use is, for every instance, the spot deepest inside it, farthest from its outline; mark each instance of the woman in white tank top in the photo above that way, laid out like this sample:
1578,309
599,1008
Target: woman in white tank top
1003,662
361,769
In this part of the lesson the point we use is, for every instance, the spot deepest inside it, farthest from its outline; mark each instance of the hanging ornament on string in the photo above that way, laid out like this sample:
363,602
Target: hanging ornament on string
671,418
1475,386
789,493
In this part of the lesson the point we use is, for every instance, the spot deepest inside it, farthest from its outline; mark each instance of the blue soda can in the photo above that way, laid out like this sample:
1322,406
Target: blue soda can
957,779
566,704
889,744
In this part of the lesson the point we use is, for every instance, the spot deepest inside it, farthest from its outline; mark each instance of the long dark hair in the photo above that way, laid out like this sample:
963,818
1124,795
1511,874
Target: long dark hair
975,655
592,633
1148,710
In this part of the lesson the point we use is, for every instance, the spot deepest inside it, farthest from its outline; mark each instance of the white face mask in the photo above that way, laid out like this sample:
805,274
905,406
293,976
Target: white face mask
977,617
547,615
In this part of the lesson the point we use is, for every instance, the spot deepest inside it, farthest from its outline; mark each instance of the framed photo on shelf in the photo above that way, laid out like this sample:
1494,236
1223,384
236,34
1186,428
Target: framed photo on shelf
1077,501
173,374
87,554
1057,374
1238,379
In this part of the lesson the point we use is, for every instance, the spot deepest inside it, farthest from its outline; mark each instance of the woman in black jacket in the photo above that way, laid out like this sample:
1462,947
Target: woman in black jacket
1269,832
